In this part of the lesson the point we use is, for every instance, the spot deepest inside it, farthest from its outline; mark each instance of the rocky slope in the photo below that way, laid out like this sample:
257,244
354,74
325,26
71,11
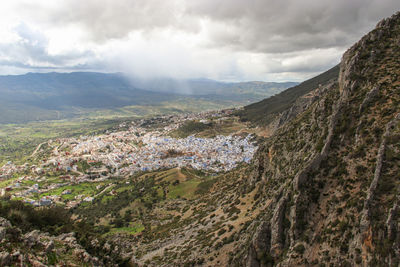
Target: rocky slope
333,172
38,249
323,188
265,111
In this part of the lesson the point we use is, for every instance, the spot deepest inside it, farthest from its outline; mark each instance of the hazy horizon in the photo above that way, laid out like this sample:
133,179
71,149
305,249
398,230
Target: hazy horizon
127,75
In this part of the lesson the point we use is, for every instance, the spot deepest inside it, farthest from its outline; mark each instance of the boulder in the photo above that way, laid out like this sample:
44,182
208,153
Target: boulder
3,232
49,247
5,258
31,238
4,222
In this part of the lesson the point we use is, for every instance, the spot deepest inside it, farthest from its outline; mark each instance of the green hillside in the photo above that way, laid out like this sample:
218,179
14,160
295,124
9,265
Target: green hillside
264,111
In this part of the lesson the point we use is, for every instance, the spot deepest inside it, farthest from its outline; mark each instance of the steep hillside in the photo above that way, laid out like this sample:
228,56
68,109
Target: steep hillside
263,112
331,175
322,191
36,248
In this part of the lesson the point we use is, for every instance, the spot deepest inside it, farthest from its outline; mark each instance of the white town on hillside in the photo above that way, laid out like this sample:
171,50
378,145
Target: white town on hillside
122,153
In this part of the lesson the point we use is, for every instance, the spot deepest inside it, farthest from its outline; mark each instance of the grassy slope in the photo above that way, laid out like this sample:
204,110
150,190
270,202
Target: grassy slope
211,129
264,111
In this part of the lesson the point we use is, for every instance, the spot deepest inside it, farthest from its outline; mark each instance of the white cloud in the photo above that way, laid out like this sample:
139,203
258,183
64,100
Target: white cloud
227,39
29,50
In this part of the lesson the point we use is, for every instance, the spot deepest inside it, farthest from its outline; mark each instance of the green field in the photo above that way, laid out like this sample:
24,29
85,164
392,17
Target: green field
18,141
86,189
185,189
136,228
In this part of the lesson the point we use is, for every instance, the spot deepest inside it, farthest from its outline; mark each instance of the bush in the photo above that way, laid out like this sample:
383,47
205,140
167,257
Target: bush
54,220
360,169
221,231
205,186
320,144
52,258
299,248
266,259
13,234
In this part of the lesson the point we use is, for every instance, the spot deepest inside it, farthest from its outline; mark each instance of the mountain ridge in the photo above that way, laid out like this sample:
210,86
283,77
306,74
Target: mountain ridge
42,96
353,240
264,111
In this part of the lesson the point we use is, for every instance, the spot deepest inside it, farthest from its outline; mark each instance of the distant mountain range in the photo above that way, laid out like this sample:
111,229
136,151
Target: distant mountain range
208,87
41,96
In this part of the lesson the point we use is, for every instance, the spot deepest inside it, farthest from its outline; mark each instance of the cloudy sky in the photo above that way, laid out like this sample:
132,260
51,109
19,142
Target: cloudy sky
231,40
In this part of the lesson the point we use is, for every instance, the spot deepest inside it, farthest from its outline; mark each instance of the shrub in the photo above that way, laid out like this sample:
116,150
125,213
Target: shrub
360,169
221,231
299,248
52,258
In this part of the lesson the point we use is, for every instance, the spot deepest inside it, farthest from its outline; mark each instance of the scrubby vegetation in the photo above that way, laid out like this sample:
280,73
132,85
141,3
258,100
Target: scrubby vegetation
222,126
265,111
56,221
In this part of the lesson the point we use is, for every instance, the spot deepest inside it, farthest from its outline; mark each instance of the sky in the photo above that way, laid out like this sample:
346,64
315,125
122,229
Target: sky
227,40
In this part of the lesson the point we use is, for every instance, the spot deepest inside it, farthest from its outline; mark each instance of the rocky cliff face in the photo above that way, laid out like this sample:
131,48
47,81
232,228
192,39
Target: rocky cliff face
332,173
38,249
323,188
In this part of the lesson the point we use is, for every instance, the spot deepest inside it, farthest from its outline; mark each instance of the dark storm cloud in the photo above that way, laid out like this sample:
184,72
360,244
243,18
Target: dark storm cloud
113,19
243,39
267,26
272,26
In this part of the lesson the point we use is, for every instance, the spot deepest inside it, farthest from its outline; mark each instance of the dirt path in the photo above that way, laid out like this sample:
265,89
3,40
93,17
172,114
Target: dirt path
104,190
37,149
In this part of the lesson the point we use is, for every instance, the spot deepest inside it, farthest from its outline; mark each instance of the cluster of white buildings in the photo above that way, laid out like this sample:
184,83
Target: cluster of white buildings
136,150
144,149
139,147
8,169
221,153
